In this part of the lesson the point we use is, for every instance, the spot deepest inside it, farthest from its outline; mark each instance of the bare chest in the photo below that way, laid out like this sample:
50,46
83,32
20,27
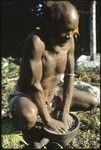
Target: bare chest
54,63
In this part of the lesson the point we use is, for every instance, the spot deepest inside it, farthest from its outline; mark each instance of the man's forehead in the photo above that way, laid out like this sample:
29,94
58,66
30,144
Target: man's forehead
74,15
69,26
71,23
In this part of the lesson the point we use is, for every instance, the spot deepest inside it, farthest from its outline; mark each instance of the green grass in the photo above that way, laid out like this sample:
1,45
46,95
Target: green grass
89,131
11,137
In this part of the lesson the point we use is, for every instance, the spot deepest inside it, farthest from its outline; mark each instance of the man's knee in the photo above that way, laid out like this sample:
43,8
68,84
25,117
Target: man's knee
24,113
30,117
94,102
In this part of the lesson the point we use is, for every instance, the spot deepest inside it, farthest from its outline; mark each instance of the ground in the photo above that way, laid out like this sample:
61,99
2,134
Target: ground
89,132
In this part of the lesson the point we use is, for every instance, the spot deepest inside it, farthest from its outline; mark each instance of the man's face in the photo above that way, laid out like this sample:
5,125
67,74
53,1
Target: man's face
65,33
69,33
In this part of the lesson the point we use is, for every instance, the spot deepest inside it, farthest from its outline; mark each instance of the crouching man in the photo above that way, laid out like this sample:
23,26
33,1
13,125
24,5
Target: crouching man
48,54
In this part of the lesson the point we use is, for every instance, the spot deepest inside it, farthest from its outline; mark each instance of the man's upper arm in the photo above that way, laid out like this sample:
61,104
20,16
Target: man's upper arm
70,61
38,48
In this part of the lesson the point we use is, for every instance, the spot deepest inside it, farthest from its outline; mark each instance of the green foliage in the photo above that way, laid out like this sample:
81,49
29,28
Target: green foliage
81,68
81,71
10,73
89,75
9,68
10,137
89,131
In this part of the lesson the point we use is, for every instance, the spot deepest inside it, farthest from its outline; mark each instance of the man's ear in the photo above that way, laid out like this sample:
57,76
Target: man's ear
76,32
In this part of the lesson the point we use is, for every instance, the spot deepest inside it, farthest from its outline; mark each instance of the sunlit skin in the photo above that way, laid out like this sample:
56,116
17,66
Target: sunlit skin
40,72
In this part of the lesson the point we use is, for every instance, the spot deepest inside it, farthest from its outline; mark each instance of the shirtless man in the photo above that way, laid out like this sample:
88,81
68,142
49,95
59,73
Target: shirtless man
47,55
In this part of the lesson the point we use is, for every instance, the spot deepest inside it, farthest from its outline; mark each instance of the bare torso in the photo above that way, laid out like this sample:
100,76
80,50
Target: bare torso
54,64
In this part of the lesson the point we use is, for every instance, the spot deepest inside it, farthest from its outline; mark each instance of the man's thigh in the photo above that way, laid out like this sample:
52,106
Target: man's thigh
81,100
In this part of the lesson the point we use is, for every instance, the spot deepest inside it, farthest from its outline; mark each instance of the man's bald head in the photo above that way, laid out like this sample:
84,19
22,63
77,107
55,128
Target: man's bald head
63,14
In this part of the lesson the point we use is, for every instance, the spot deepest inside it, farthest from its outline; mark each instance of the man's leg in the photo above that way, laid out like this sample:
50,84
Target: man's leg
24,112
83,101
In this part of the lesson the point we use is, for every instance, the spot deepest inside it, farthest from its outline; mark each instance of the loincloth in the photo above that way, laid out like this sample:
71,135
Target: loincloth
15,93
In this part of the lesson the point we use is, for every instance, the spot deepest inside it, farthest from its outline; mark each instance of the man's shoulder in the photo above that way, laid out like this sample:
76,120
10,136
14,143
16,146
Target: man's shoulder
36,41
34,36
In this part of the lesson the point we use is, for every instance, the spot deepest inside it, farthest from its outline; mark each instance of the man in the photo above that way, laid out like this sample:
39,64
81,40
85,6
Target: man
49,54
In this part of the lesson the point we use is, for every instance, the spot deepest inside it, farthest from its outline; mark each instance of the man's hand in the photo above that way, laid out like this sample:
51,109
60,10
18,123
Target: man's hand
56,126
66,119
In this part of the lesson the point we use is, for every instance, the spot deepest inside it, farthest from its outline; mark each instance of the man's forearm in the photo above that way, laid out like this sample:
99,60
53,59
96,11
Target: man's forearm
68,81
42,107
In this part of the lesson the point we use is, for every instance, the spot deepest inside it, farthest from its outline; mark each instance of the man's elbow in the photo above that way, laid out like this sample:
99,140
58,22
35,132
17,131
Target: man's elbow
38,86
